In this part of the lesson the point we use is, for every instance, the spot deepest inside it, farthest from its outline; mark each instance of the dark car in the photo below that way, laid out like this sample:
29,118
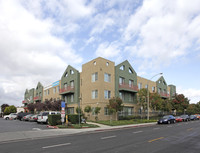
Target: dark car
21,115
193,117
167,119
185,118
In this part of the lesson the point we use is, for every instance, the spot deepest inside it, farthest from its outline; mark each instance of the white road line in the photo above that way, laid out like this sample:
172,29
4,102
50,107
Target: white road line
156,128
36,129
108,137
64,144
137,132
169,126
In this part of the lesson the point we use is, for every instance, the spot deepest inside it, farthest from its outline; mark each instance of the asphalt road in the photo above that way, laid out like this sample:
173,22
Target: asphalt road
16,125
172,138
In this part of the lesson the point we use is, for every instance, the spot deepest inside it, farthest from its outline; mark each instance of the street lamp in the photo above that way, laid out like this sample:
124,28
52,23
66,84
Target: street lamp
148,94
79,115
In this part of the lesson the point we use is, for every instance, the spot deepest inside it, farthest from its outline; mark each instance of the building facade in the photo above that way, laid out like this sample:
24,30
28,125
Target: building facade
99,81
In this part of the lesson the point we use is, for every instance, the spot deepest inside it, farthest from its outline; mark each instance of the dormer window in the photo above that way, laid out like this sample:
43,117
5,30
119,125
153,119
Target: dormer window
66,74
95,63
71,72
122,68
130,71
107,63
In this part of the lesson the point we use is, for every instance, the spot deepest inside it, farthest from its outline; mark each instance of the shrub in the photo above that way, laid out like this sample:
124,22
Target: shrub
54,119
74,118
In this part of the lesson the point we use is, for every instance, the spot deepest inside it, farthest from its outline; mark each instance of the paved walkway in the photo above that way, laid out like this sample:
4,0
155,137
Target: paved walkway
13,136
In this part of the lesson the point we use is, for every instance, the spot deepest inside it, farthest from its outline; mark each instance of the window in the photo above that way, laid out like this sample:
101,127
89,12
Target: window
121,80
72,84
159,90
164,90
139,86
94,94
106,112
107,63
130,83
66,74
130,111
72,98
58,88
65,85
121,95
146,86
107,94
48,92
130,97
130,71
54,90
45,92
70,110
95,77
107,77
153,89
71,72
122,68
31,97
95,63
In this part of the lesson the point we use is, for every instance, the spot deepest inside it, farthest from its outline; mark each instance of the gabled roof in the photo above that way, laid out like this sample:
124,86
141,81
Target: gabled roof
126,62
67,70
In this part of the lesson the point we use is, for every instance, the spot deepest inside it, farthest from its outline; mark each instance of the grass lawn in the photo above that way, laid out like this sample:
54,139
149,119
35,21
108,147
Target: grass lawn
126,122
76,126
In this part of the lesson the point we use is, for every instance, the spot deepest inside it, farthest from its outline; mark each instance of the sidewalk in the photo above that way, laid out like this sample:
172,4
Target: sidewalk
13,136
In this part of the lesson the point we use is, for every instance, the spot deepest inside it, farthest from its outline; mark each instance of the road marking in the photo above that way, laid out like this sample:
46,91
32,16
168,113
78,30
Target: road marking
108,137
156,128
58,145
137,132
36,129
189,129
155,139
169,126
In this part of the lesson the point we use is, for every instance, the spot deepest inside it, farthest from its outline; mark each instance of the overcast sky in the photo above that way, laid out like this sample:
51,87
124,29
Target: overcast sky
39,38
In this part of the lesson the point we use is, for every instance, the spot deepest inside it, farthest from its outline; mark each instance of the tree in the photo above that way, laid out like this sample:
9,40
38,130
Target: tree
115,105
6,111
39,106
88,110
31,107
3,106
180,102
142,98
155,101
97,111
12,109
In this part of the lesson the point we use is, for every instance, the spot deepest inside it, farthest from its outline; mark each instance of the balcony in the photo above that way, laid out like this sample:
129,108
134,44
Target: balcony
164,95
37,98
24,102
66,90
128,87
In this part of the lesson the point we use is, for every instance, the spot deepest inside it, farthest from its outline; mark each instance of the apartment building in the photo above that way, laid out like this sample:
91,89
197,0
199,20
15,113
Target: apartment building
99,81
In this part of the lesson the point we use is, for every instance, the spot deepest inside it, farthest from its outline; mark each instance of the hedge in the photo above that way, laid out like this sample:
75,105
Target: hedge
74,118
54,119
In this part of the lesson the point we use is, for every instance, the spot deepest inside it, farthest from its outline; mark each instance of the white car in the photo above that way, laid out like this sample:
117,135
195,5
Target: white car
10,116
43,116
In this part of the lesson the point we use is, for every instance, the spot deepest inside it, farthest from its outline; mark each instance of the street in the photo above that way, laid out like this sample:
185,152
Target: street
16,125
170,138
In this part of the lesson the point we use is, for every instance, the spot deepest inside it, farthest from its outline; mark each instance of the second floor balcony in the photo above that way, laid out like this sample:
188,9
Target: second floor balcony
128,87
164,95
24,102
66,90
37,98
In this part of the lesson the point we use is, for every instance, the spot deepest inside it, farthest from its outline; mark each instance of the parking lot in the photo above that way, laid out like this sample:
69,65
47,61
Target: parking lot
16,125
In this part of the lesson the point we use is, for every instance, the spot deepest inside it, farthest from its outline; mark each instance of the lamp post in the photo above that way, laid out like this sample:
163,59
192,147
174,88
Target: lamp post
79,109
148,94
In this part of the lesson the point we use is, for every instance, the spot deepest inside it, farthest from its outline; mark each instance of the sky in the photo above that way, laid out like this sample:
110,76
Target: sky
40,38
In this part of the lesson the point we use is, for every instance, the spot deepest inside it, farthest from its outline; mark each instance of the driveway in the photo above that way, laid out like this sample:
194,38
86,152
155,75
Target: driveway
16,125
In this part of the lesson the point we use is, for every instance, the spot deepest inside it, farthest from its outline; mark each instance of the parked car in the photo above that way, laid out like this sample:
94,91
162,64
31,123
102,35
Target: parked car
178,119
167,119
193,117
27,117
21,115
43,116
10,116
185,118
198,116
33,118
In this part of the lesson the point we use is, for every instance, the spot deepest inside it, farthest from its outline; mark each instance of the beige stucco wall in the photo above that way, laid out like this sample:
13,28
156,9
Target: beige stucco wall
52,95
86,84
145,81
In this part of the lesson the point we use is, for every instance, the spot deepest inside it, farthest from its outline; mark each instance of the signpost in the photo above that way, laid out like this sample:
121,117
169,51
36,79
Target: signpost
62,111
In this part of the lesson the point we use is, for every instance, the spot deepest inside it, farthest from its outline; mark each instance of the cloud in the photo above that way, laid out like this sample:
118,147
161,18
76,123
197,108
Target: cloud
29,51
192,94
163,31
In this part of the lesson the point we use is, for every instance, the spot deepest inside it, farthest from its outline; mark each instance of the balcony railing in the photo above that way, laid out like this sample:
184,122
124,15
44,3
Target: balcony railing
128,87
24,102
162,94
67,89
37,98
